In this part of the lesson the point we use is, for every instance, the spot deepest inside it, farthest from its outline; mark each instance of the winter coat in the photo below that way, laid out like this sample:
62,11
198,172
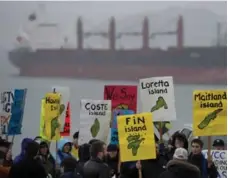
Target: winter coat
180,169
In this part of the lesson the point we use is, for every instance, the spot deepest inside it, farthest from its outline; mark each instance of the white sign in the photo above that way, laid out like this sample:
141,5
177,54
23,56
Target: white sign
219,158
157,96
95,117
65,98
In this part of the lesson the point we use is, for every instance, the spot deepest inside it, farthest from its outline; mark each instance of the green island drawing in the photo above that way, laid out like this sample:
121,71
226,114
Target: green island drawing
134,142
208,118
159,104
95,128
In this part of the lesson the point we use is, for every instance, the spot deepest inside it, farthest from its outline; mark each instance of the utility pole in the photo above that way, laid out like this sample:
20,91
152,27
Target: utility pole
218,34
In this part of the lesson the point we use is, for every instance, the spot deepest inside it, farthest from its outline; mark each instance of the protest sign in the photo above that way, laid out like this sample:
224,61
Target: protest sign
51,116
67,125
17,112
122,96
65,98
157,96
219,157
7,98
136,137
114,130
209,112
95,117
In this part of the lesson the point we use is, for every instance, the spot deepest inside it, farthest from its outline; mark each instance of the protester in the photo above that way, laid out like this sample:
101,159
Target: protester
179,140
128,170
92,141
153,167
84,156
74,150
46,158
112,159
28,166
179,167
64,150
69,170
96,167
218,144
24,144
5,158
207,168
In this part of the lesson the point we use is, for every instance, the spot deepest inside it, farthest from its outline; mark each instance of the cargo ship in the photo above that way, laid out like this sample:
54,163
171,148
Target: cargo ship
187,65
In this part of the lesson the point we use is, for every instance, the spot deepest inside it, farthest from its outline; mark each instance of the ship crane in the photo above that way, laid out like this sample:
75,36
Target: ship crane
145,33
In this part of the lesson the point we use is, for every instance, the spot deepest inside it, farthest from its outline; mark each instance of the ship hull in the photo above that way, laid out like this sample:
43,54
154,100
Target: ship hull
209,67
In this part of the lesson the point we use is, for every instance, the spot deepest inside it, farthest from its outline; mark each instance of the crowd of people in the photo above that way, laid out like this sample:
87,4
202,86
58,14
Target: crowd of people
95,159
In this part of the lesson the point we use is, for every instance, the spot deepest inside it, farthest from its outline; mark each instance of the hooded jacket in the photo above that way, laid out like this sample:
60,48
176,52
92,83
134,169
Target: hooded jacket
28,167
60,154
180,169
47,160
24,144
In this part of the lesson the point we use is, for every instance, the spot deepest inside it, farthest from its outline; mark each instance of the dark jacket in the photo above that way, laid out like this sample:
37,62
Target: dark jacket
180,169
27,168
202,164
95,168
153,168
48,160
70,175
129,170
84,156
112,164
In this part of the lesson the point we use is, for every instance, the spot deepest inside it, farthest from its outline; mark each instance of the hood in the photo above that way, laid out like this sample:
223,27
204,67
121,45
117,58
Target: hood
183,169
25,143
62,142
44,144
84,152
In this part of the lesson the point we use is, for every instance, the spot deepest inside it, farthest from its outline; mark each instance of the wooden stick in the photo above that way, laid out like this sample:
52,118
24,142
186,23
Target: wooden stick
209,157
160,132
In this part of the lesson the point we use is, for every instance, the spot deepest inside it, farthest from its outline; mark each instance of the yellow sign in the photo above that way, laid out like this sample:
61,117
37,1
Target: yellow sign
209,112
51,116
136,137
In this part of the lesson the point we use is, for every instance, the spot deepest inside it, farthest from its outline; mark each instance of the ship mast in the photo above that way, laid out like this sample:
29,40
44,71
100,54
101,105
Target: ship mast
112,36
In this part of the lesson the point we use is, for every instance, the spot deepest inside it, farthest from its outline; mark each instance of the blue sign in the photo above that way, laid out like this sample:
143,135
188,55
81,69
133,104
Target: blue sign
114,130
17,112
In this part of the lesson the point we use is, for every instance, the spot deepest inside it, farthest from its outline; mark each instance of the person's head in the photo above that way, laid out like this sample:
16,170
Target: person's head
180,154
218,144
92,141
180,141
197,146
32,149
84,152
112,150
75,138
68,164
44,148
98,150
67,147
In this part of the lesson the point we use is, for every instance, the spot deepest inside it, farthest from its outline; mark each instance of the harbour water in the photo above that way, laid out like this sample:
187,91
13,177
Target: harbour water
85,89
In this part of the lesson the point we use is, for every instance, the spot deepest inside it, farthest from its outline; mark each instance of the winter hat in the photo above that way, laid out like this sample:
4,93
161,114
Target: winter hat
181,154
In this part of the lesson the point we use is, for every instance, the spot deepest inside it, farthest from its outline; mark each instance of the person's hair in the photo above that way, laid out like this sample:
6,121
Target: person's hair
69,164
181,137
96,147
92,141
197,141
84,152
76,134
